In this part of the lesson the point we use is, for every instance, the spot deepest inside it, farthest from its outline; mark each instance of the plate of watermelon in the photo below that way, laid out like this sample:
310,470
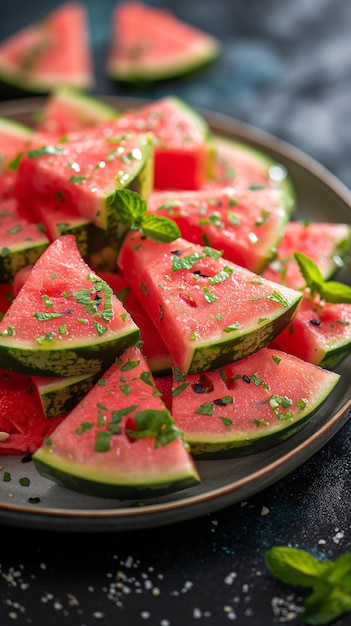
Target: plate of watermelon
176,311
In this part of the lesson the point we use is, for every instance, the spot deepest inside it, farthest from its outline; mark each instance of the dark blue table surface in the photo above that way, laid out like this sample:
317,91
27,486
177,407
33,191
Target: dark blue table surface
285,68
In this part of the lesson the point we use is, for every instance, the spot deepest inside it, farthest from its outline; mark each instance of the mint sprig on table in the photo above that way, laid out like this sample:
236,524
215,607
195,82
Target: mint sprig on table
330,581
328,290
132,212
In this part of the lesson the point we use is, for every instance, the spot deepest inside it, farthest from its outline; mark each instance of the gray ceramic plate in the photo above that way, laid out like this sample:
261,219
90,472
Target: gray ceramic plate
321,198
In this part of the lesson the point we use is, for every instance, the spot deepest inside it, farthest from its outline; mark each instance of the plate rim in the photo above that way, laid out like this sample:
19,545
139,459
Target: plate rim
161,514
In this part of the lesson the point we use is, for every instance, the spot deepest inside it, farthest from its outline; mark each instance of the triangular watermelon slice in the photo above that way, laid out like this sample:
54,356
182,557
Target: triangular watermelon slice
245,224
65,320
148,44
120,440
51,52
248,405
208,310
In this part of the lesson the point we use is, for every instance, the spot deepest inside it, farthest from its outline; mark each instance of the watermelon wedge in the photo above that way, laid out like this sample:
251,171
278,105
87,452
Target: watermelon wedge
246,225
120,440
68,109
149,44
208,310
248,405
64,321
52,52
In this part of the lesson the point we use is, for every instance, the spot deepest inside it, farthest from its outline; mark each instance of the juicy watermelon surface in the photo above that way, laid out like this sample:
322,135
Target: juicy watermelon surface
21,242
12,138
242,407
23,423
68,110
82,176
246,226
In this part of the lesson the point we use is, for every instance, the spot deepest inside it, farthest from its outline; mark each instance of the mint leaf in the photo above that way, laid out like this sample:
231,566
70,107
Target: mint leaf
330,582
130,207
310,272
159,228
296,567
154,423
336,292
328,290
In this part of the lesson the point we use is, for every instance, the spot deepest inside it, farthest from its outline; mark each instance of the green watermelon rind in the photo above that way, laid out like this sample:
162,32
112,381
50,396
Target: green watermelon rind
78,358
41,85
19,255
59,396
209,356
333,356
14,128
175,68
259,438
67,474
98,246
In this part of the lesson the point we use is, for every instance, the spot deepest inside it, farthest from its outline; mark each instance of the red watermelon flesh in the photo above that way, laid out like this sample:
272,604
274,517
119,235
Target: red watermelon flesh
22,417
250,404
6,297
154,349
326,243
320,332
246,225
54,51
81,176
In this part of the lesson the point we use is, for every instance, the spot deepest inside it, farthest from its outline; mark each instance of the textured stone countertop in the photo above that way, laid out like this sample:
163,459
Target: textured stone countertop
285,68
